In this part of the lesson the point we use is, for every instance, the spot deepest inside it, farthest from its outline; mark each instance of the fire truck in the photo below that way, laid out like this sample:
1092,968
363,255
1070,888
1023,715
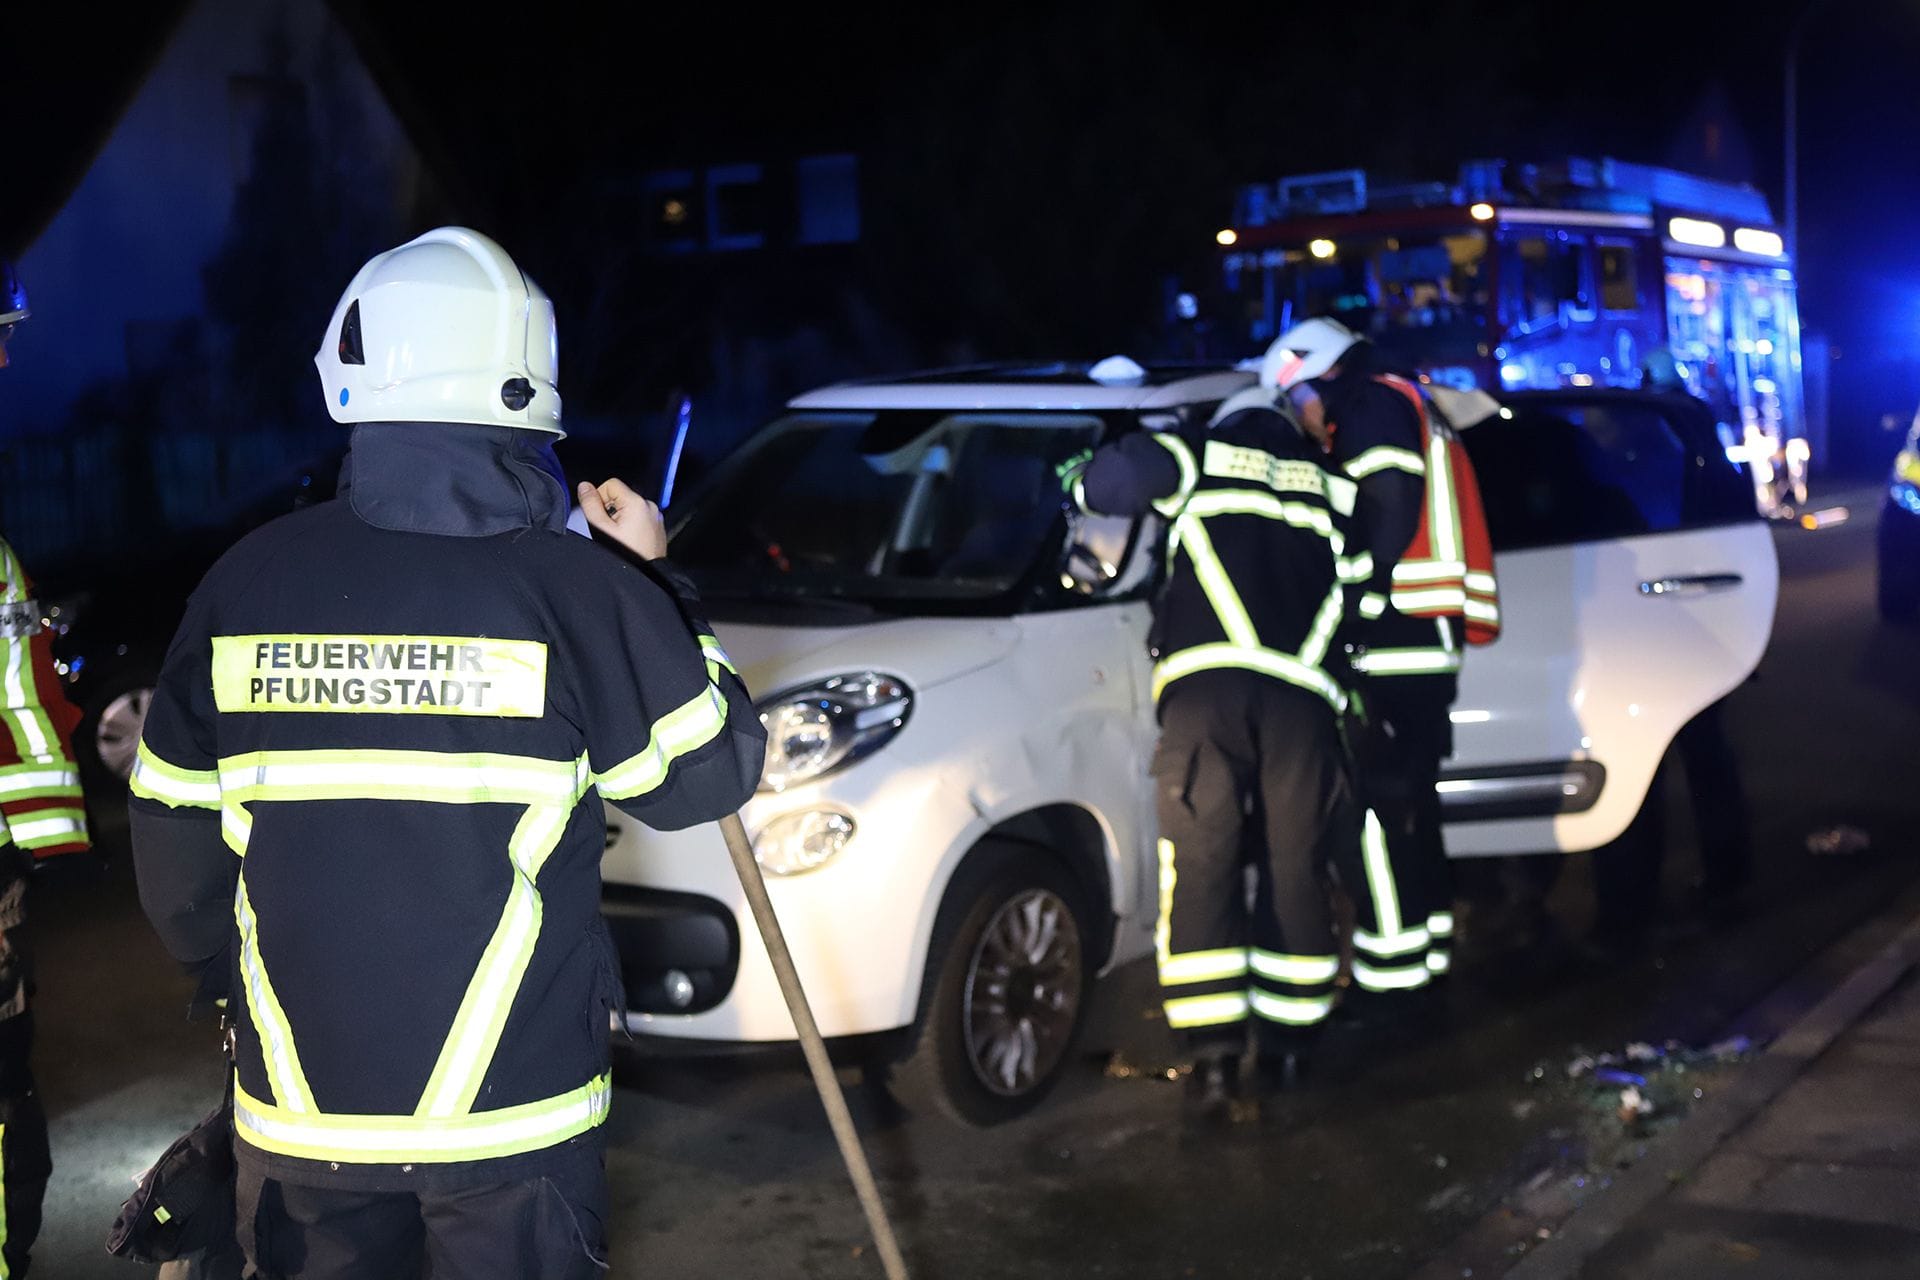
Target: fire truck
1578,273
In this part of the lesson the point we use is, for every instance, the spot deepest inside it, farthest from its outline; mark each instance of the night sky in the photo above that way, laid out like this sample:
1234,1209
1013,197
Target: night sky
1050,163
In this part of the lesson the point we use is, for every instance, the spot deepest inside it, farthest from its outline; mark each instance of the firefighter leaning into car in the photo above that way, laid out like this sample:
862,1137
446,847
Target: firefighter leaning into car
1432,587
1249,764
370,788
41,818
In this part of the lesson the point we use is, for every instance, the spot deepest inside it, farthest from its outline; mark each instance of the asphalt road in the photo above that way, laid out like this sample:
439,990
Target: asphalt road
725,1168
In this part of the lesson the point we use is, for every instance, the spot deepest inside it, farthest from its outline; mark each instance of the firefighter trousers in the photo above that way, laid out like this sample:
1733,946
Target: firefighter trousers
1405,936
25,1162
1626,880
1249,777
550,1227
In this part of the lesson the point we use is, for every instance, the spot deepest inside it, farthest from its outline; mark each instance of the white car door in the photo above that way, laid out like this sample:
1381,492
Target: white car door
1637,588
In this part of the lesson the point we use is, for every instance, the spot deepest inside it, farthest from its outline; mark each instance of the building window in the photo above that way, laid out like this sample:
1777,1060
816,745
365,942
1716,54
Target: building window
736,207
827,196
673,210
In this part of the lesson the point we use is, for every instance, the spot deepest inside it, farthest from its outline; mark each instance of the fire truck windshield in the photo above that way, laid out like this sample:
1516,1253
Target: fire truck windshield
1422,297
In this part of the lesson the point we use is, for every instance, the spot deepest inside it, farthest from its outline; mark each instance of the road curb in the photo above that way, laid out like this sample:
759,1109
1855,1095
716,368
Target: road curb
1562,1254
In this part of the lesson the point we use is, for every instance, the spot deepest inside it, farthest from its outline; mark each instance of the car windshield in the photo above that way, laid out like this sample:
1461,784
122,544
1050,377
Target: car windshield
884,507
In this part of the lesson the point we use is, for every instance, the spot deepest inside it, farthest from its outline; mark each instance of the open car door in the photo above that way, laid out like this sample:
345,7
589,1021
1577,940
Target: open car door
1637,588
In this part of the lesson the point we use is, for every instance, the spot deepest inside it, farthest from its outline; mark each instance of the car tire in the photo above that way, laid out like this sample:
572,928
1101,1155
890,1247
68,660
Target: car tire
108,734
998,1024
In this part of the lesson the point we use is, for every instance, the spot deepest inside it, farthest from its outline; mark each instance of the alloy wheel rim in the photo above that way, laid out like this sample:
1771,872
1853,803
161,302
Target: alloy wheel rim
1022,993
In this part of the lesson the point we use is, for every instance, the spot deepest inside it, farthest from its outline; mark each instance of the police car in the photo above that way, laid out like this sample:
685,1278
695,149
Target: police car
955,816
1898,542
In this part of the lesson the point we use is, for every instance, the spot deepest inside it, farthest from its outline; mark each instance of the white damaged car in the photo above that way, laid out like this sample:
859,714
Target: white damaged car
955,817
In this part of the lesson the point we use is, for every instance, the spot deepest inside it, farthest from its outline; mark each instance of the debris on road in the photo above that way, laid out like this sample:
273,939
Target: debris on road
1731,1049
1121,1067
1634,1106
1633,1093
1838,842
1613,1075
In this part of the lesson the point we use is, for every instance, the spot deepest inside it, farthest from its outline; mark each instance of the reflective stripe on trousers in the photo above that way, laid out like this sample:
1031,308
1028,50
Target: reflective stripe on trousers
1212,1009
1391,956
1440,957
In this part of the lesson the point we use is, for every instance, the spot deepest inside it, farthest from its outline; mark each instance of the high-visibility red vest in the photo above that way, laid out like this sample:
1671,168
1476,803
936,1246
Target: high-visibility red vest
1447,570
41,809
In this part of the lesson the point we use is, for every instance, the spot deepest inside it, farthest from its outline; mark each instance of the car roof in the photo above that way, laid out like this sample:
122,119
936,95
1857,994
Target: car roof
1058,386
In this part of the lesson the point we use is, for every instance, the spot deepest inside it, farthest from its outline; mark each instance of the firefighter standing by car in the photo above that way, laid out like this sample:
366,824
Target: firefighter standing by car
41,817
1432,587
370,785
1249,757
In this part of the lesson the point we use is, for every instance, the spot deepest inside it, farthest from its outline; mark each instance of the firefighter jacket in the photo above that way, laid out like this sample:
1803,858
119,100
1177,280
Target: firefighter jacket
1256,546
1426,532
374,768
41,810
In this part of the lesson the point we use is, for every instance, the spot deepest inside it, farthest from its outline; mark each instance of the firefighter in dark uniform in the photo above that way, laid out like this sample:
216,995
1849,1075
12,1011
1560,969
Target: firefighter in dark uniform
42,817
1249,760
370,789
1431,589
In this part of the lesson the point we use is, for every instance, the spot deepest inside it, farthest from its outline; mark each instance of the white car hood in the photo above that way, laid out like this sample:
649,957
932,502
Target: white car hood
924,652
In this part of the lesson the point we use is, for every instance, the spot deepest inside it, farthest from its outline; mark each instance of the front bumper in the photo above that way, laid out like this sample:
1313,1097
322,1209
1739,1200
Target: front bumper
857,927
679,952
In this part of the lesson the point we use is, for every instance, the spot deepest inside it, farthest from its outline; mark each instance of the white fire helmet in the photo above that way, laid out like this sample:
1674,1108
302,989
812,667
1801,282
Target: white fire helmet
1304,352
443,329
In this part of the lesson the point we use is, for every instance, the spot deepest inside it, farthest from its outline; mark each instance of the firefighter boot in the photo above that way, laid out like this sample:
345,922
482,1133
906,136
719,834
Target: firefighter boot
1285,1057
1212,1090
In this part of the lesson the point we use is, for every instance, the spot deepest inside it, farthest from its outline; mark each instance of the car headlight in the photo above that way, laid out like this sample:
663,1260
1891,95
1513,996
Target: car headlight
797,842
814,730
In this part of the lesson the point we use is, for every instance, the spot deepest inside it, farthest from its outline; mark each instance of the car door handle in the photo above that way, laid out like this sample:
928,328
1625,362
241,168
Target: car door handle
1698,584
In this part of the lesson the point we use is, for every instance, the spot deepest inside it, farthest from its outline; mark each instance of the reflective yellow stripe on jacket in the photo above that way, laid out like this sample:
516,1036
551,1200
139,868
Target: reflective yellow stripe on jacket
444,1126
1244,650
480,1135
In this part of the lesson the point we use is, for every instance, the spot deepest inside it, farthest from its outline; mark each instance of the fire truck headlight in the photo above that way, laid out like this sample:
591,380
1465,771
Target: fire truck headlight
797,842
814,730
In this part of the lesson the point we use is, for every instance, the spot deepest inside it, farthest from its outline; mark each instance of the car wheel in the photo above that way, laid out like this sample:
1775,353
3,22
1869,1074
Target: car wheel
1005,987
108,737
